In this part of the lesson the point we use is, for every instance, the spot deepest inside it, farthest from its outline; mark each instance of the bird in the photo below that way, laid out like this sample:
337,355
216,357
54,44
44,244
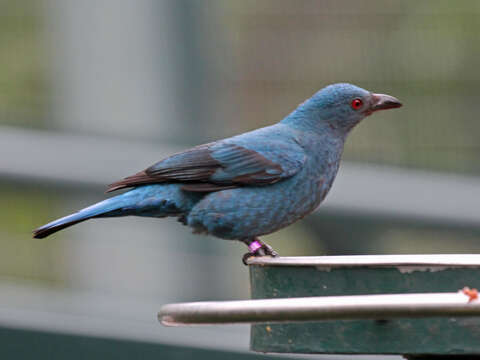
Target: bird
248,185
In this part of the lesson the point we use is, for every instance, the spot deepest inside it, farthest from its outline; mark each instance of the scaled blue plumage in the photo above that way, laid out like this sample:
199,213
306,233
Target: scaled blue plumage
251,184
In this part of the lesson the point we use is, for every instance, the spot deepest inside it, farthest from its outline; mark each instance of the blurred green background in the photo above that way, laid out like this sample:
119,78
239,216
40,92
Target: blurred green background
98,80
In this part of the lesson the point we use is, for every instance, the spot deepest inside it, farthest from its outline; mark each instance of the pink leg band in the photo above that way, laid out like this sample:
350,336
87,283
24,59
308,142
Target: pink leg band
254,246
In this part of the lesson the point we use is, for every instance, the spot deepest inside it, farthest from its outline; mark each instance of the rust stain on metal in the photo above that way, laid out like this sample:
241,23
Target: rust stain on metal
471,293
408,269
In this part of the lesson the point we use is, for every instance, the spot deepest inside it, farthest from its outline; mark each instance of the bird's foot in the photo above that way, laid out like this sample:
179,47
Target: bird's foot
258,248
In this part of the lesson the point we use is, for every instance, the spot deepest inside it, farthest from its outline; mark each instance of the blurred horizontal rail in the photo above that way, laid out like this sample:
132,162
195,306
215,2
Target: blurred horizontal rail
360,190
85,160
381,307
27,305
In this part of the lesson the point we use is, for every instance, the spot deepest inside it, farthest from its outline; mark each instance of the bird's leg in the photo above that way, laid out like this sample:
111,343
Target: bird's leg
256,247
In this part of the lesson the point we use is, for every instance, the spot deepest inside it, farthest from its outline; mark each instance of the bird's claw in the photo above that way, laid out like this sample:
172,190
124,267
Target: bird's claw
263,250
269,250
245,258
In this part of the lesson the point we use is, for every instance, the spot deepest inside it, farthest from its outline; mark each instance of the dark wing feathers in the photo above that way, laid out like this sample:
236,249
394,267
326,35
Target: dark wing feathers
196,164
213,167
206,187
137,179
191,165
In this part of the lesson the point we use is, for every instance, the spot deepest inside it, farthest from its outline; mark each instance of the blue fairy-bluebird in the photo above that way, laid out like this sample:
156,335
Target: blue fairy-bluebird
251,184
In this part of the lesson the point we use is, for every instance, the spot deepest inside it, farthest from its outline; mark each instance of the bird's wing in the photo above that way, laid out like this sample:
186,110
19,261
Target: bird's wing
221,165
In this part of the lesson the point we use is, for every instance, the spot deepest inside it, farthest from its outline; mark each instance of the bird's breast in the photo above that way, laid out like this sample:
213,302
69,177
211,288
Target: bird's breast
322,169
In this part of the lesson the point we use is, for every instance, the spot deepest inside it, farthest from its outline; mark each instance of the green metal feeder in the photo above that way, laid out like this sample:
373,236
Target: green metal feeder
400,304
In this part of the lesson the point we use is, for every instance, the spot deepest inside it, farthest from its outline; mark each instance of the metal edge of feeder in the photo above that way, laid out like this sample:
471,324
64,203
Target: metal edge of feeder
382,307
430,260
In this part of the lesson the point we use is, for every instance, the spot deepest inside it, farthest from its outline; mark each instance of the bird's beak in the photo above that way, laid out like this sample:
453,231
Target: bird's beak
384,102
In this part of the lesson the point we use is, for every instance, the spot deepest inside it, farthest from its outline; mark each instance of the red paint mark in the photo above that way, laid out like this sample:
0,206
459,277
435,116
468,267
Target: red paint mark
471,293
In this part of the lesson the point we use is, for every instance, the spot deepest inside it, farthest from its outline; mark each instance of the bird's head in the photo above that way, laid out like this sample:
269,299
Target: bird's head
339,107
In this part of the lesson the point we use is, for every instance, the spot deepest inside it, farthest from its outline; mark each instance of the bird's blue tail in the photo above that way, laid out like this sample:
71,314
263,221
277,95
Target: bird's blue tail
150,200
100,209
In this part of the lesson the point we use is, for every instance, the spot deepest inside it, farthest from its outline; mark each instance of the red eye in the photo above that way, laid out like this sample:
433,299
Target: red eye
357,104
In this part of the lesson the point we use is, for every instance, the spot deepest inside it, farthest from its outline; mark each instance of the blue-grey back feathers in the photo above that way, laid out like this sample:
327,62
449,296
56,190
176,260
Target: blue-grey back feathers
247,185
